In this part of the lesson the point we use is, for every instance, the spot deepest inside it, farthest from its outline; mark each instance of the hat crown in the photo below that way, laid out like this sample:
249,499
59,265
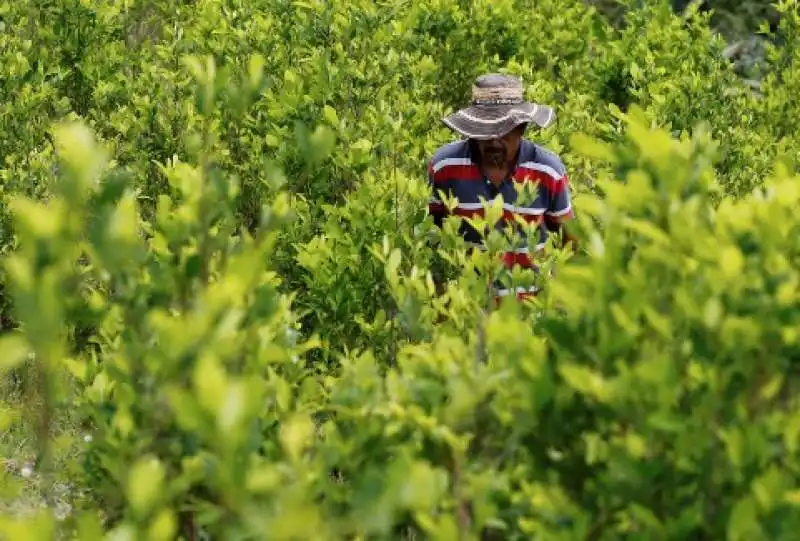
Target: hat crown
497,89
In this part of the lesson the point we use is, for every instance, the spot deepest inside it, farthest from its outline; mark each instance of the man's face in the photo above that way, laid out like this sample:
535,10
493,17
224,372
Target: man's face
499,151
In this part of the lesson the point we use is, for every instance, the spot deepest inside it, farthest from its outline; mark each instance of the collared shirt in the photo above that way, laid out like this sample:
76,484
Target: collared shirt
454,170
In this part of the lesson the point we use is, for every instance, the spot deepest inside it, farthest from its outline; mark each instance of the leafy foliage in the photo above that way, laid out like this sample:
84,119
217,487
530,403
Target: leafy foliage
213,225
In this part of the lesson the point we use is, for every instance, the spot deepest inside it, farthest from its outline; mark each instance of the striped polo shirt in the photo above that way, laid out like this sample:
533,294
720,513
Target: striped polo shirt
454,171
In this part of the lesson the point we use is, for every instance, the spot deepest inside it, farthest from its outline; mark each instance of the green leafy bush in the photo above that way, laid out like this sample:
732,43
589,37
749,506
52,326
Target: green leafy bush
214,228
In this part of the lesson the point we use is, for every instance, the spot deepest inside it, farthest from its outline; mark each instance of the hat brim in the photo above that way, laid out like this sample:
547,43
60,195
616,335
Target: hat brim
488,122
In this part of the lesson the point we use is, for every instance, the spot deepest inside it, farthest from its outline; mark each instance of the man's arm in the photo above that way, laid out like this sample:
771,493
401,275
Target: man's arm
559,214
436,207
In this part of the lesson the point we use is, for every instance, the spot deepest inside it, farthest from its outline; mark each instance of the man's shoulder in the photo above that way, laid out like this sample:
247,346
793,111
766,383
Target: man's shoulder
545,158
455,149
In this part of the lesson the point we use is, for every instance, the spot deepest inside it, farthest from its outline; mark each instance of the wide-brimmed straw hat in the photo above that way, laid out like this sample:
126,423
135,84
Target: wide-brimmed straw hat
498,106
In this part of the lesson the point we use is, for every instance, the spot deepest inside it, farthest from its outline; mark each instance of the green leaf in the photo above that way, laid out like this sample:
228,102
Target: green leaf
232,411
392,264
124,224
330,116
423,487
586,381
37,220
122,532
321,144
40,526
361,151
296,434
592,147
210,382
731,261
14,350
164,526
89,527
743,524
255,70
263,479
82,157
145,485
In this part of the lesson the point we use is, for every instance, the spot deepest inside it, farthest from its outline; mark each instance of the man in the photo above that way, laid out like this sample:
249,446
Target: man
495,159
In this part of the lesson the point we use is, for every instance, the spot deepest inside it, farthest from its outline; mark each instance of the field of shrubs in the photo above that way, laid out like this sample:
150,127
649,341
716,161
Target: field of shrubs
217,300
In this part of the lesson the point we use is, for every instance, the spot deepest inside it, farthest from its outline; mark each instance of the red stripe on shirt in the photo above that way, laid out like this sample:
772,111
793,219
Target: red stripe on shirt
457,172
437,208
510,259
552,185
468,213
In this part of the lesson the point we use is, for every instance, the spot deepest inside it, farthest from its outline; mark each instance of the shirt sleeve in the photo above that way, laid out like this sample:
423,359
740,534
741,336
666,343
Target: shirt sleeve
559,208
436,207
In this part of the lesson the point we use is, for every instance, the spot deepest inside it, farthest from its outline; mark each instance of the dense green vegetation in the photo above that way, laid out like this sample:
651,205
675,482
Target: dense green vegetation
217,300
734,19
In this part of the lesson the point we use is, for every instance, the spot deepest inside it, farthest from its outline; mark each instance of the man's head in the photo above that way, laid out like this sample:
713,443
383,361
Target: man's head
499,151
497,110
